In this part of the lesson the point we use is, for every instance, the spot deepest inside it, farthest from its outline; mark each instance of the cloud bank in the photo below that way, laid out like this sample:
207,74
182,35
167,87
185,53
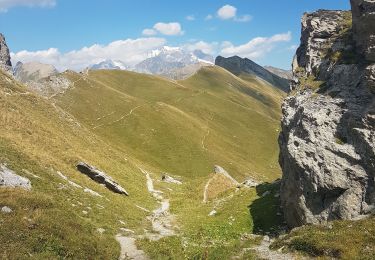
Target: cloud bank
133,51
130,51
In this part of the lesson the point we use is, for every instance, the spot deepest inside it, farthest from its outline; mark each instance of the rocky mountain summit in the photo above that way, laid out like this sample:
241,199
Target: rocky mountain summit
327,141
238,65
110,65
33,71
173,62
5,63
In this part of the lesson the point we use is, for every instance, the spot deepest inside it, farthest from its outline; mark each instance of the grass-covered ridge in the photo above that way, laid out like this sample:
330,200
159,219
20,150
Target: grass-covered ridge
121,122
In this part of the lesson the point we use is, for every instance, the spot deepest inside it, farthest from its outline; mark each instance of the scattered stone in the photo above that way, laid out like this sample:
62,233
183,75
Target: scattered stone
212,213
169,179
266,193
75,185
101,177
93,193
100,230
85,212
127,230
250,183
6,210
9,178
220,170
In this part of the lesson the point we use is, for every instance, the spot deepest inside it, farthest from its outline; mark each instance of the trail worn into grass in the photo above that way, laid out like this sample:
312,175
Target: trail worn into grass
129,249
118,120
264,252
161,219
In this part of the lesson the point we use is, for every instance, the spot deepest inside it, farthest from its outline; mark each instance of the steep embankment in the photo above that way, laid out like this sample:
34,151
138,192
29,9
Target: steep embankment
328,135
65,214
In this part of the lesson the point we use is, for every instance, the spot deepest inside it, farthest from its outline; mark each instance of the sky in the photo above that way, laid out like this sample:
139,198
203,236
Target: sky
73,34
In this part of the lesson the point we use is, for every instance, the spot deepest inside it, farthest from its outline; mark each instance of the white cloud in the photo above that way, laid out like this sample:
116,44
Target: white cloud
227,12
190,18
243,19
206,47
208,17
255,48
5,5
130,51
149,32
169,28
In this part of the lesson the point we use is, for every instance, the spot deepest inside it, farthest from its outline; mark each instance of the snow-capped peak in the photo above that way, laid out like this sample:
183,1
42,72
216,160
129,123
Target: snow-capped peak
109,65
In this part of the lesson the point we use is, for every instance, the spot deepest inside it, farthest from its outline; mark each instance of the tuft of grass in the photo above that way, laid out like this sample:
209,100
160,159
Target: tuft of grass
340,239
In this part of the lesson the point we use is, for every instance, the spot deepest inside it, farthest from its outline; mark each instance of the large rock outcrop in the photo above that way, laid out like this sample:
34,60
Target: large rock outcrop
5,63
327,141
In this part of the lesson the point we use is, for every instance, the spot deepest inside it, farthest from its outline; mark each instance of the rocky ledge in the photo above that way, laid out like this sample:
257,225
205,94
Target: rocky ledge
327,141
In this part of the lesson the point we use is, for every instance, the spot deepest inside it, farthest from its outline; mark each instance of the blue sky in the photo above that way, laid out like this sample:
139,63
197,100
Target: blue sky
56,31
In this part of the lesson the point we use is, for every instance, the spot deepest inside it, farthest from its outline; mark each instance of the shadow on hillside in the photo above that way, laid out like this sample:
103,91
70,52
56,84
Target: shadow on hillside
265,211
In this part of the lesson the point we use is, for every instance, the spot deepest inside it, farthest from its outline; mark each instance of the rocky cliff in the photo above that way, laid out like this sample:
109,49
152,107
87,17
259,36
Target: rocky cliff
327,141
238,65
5,63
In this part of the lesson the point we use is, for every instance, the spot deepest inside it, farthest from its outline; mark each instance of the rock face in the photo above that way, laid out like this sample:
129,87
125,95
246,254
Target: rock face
9,179
363,27
5,63
327,141
237,65
33,71
101,177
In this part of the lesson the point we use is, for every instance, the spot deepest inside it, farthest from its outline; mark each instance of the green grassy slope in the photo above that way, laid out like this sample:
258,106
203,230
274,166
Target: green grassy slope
49,222
182,127
117,121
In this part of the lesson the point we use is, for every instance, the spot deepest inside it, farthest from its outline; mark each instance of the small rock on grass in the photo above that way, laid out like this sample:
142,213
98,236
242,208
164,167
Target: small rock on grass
6,210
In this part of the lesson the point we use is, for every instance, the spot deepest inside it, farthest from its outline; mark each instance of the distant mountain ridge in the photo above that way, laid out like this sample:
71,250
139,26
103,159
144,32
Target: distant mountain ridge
110,65
286,74
238,65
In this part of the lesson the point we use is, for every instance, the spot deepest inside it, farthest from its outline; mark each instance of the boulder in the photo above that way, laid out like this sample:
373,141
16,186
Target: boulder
169,179
101,177
6,210
10,179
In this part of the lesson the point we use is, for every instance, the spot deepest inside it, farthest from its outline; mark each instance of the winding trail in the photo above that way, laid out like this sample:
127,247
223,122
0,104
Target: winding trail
205,191
120,119
264,252
207,134
161,219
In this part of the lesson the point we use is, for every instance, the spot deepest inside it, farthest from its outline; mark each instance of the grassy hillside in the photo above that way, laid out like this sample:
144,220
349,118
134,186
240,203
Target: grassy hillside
121,122
182,127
